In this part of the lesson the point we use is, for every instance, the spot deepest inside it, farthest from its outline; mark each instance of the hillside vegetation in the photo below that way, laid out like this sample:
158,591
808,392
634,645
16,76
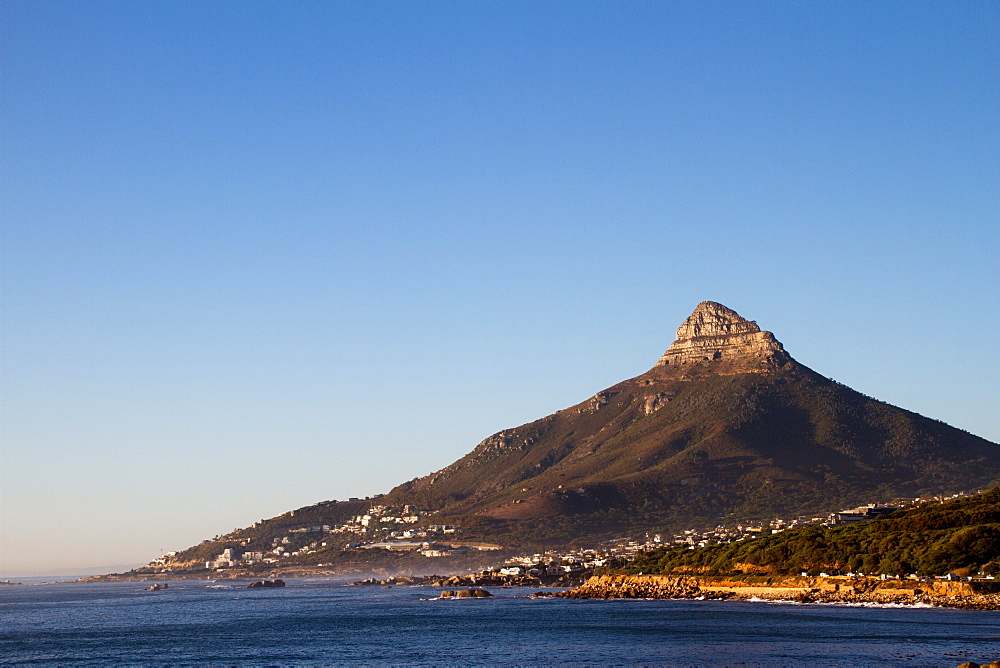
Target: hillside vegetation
960,536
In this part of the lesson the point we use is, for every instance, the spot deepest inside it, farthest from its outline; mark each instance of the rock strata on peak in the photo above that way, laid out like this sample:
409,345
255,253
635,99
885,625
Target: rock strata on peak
714,333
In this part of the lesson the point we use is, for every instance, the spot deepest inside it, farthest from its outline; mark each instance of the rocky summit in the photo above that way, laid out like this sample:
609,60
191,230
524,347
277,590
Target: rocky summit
725,427
714,333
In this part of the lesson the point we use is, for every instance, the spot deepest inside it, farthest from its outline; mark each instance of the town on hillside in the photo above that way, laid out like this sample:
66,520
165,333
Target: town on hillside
406,530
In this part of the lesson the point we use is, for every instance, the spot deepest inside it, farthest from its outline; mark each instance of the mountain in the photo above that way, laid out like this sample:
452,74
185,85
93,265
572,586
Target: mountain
726,425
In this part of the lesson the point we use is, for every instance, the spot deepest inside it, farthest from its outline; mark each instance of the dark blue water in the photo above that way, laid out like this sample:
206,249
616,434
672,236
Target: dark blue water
315,622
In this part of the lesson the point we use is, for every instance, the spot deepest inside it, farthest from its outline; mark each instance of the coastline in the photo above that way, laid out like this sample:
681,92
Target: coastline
480,580
434,580
969,595
230,574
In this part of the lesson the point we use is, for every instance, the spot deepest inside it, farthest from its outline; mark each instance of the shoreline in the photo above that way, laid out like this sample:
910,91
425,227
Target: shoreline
478,580
433,580
968,595
974,595
304,572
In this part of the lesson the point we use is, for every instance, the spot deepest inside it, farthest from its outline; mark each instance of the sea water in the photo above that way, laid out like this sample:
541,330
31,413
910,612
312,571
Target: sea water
323,622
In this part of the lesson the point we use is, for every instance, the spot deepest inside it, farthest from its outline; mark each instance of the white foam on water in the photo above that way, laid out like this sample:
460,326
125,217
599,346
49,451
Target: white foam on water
844,604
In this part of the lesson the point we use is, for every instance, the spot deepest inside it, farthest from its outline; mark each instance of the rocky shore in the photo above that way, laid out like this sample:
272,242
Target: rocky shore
481,580
974,595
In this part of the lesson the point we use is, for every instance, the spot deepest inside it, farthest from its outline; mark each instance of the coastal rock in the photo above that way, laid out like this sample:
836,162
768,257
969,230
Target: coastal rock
473,593
714,333
466,593
266,583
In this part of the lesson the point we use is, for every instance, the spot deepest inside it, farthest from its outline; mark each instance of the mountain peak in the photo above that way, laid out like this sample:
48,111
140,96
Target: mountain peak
714,319
714,333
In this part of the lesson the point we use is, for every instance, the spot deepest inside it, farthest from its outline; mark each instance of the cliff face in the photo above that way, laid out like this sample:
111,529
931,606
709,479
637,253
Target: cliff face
714,333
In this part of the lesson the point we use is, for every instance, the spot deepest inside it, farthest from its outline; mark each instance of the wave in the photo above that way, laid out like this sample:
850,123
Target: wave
843,604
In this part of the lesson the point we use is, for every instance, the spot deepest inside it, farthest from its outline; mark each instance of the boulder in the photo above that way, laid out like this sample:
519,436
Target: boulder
473,593
266,583
466,593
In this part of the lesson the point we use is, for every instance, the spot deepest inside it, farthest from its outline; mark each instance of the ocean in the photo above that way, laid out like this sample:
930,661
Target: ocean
321,622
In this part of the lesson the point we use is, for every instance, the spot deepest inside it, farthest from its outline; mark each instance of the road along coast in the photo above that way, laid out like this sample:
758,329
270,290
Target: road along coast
972,595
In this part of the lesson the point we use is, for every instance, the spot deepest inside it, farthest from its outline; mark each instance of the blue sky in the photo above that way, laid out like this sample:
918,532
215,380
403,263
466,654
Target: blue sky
258,255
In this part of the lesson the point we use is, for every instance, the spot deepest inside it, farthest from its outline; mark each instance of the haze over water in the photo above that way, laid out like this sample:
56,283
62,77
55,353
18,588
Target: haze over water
322,622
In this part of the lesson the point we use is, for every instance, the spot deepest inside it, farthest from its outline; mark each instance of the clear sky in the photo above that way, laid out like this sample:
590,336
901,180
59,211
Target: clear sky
259,255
